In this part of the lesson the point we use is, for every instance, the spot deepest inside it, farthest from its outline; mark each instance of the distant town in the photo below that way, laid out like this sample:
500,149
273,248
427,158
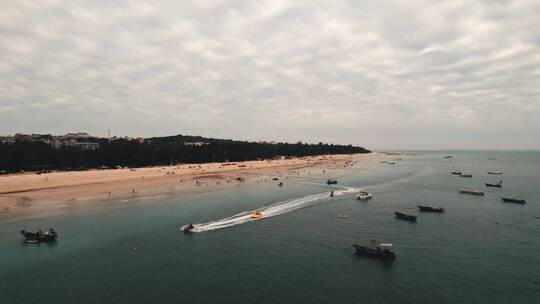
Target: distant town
80,140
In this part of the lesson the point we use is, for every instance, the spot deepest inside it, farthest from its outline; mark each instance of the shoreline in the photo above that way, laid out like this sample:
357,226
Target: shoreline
31,193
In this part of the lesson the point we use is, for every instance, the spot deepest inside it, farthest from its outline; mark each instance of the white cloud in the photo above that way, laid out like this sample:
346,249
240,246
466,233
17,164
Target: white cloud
372,73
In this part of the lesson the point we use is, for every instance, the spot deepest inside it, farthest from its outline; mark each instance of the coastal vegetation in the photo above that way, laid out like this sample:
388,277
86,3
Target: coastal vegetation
38,155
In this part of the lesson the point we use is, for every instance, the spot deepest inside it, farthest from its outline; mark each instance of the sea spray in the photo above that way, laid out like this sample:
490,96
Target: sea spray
269,210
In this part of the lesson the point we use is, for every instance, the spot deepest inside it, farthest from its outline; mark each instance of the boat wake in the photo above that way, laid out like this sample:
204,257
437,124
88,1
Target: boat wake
268,211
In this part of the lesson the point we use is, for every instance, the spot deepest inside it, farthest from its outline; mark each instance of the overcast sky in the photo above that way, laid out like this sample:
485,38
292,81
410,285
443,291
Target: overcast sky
380,74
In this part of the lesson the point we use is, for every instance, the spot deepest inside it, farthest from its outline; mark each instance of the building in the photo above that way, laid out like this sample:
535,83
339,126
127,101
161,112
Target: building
84,146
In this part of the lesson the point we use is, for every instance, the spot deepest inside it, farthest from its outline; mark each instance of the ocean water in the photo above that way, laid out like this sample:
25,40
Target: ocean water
480,250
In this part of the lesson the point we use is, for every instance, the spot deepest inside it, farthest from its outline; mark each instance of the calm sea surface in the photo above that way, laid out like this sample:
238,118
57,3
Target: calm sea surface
480,251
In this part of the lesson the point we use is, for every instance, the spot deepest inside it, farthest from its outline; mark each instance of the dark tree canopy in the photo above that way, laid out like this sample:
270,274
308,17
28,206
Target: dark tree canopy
23,155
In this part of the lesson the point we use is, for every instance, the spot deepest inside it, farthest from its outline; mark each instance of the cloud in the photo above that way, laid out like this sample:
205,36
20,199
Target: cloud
379,74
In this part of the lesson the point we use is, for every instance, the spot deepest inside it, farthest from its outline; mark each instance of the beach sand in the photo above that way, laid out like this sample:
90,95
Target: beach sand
30,192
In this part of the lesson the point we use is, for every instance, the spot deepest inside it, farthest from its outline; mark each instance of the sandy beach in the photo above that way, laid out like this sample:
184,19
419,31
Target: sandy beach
30,192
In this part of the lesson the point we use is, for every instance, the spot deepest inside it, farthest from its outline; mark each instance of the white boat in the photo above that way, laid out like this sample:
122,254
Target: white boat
364,195
495,172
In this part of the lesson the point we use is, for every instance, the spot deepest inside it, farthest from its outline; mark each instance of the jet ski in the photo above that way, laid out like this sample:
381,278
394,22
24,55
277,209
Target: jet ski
188,228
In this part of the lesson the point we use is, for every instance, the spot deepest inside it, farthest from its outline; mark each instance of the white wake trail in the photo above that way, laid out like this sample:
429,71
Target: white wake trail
268,211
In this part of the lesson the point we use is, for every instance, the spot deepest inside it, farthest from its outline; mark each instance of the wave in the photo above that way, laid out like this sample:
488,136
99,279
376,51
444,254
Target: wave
268,211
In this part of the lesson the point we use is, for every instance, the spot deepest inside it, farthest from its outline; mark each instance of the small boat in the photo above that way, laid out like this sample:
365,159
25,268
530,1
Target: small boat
391,163
364,195
280,184
431,209
403,216
331,182
497,185
384,162
377,250
39,236
448,156
188,228
495,172
256,215
456,172
275,178
332,193
343,216
514,200
465,175
471,191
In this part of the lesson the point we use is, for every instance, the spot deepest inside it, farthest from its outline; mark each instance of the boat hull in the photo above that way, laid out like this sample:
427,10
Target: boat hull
370,252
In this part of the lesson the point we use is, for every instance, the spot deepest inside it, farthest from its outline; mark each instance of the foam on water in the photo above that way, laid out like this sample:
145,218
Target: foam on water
269,210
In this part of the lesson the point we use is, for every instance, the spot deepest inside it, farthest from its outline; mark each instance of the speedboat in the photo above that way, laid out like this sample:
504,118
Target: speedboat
431,209
377,250
188,228
256,215
39,236
363,195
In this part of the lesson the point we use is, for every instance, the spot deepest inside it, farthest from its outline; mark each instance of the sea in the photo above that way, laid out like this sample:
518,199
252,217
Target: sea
480,250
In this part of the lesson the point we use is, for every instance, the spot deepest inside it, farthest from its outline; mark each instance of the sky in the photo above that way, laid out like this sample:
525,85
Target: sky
379,74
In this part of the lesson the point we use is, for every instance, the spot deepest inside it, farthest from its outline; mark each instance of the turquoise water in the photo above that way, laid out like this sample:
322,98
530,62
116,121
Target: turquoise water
480,251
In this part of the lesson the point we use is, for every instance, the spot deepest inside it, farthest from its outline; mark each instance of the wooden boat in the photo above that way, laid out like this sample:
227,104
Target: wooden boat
448,156
39,236
497,185
431,209
471,191
513,200
456,172
376,250
403,216
465,175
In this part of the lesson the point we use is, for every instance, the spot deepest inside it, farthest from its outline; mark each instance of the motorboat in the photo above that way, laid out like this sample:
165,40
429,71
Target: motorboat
364,195
513,200
494,172
39,236
188,228
471,191
403,216
496,185
465,175
431,209
456,172
377,250
343,216
331,182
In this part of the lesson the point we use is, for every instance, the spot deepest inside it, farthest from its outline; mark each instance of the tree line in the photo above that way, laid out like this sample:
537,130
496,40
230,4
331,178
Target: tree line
154,151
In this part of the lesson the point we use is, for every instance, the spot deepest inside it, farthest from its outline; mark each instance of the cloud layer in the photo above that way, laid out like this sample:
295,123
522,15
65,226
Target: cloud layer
382,74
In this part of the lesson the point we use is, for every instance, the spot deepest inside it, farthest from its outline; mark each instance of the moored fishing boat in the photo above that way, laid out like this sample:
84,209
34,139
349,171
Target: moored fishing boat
39,236
497,185
403,216
431,209
376,249
456,172
471,191
494,172
513,200
465,175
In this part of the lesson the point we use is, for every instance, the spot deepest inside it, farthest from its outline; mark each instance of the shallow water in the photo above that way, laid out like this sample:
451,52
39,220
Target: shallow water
480,250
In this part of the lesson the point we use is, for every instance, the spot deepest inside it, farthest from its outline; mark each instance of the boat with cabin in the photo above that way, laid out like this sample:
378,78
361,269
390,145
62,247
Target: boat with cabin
376,249
39,236
431,209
